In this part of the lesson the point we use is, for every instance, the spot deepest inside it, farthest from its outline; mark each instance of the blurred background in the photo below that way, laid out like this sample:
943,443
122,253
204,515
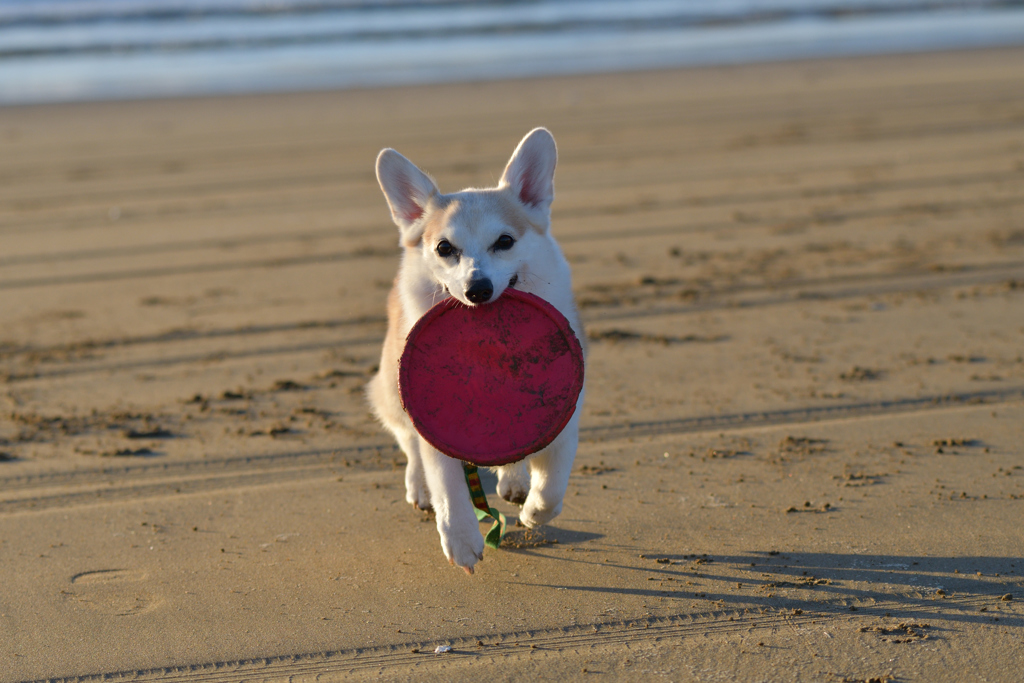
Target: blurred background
72,50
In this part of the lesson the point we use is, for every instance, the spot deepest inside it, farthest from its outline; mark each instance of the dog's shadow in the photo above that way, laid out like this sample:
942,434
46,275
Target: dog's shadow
521,538
912,587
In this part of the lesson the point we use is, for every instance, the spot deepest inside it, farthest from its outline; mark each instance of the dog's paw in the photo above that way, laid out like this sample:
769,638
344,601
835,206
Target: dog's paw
463,547
513,495
537,512
513,491
514,483
416,492
419,499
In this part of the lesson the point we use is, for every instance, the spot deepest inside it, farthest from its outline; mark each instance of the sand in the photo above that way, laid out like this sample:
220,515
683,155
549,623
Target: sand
801,457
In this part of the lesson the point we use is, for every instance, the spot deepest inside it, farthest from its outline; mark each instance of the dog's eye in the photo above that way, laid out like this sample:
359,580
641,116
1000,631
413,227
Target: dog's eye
504,243
445,249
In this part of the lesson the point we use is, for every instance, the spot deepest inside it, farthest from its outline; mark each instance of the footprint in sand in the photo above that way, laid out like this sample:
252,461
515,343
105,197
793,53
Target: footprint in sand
120,592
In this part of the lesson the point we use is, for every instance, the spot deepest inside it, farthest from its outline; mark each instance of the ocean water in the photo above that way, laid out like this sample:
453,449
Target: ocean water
72,50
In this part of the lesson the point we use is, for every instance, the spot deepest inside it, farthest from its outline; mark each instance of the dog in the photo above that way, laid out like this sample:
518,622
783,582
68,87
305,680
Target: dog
472,245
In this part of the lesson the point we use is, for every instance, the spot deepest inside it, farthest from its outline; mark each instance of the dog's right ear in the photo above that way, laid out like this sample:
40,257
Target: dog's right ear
408,191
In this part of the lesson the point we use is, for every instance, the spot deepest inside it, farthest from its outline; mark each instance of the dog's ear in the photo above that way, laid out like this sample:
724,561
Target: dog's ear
408,191
530,173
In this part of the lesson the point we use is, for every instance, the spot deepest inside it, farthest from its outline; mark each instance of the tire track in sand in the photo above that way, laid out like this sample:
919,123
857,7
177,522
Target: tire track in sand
173,478
400,658
731,298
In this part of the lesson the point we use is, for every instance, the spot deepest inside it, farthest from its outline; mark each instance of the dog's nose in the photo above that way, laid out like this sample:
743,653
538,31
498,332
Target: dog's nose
479,291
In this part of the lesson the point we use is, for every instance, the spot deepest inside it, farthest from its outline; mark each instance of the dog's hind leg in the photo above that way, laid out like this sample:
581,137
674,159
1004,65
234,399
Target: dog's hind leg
382,393
457,525
514,482
549,476
416,491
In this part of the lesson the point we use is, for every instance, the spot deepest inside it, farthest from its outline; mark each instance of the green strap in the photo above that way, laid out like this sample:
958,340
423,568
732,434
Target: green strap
483,510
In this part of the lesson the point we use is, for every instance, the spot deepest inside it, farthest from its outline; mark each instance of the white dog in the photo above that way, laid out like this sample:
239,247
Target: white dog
472,245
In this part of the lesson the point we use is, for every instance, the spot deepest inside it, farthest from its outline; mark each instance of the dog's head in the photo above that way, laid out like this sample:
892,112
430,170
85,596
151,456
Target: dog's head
474,242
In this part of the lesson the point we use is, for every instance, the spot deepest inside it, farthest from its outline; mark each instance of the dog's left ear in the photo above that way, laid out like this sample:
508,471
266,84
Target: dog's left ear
530,173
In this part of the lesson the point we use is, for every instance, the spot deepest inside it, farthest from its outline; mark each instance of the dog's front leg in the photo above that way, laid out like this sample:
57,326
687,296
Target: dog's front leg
549,476
457,525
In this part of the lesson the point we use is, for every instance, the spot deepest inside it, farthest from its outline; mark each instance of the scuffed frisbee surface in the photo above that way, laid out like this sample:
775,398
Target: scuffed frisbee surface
491,384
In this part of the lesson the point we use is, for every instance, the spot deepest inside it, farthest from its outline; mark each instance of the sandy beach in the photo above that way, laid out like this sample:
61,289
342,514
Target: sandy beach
803,286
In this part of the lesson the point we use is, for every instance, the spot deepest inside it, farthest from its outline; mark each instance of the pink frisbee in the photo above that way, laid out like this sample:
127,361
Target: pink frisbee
491,384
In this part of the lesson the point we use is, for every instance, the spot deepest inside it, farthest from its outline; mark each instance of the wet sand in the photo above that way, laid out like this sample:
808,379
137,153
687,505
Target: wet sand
803,286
